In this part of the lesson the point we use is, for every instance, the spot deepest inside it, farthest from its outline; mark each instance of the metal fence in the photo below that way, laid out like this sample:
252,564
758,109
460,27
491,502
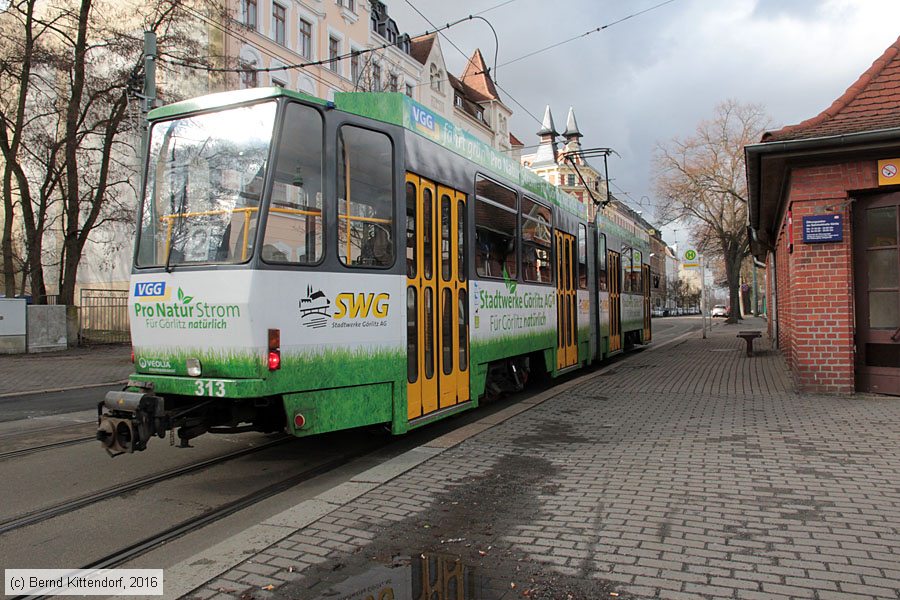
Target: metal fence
104,317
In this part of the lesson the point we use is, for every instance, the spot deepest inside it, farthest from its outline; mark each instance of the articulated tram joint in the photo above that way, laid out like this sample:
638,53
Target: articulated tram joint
127,420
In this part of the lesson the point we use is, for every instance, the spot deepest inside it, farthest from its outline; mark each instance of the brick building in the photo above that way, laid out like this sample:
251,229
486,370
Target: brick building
824,205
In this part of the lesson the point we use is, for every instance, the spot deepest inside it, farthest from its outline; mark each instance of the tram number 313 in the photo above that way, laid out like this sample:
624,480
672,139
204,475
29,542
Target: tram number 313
210,388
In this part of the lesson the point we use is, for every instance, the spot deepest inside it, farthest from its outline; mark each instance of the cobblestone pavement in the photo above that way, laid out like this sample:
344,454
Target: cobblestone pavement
690,471
93,365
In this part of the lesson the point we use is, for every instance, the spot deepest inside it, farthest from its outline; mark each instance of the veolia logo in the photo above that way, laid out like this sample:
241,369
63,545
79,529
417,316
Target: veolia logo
154,363
423,117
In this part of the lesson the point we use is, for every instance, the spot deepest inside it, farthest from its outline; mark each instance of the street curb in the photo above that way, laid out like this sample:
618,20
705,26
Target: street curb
184,577
65,389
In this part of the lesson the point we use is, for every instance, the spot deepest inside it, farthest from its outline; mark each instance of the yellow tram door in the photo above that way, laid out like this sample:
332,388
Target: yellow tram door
614,268
436,298
566,302
453,301
645,271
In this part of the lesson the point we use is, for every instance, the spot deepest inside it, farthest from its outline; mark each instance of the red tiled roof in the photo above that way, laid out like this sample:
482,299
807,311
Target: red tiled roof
420,47
477,78
872,103
514,141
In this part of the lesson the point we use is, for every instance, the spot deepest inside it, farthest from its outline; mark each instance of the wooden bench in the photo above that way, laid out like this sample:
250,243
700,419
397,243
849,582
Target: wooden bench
749,336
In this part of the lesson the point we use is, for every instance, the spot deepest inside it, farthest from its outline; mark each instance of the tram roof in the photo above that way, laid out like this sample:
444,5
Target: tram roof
397,109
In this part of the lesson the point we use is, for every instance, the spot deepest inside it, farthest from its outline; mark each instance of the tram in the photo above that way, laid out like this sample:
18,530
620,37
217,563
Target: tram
312,266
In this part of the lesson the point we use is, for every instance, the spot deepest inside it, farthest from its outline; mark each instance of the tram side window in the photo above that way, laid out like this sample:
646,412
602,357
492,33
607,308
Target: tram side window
626,267
365,192
294,226
637,272
601,263
495,229
632,260
537,233
582,257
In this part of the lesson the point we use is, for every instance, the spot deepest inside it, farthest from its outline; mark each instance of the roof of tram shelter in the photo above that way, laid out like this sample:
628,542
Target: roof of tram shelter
862,124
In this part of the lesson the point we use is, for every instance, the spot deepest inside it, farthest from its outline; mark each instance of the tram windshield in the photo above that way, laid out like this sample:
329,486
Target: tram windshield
205,177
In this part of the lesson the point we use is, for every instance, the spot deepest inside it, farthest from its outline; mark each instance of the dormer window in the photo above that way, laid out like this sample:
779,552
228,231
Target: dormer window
436,76
457,101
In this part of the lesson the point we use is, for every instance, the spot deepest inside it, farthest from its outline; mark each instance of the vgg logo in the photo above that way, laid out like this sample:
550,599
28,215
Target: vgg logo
360,306
423,117
150,289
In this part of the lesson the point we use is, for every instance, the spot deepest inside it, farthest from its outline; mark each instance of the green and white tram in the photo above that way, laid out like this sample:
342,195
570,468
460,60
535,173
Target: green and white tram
312,266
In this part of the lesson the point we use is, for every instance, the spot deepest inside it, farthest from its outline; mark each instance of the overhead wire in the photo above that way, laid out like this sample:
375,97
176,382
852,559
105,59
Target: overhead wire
587,33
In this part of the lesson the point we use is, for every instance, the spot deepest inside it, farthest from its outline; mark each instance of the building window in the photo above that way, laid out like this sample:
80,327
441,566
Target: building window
376,77
334,51
248,8
354,68
278,20
570,179
305,39
435,78
249,76
393,85
409,90
457,101
348,4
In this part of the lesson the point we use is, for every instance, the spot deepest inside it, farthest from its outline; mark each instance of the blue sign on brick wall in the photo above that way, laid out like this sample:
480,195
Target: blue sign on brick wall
823,228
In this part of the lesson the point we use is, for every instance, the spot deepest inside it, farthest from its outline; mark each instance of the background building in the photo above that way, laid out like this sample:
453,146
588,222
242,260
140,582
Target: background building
824,206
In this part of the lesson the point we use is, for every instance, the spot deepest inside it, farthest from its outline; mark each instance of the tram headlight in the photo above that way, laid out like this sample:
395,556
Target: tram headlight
194,369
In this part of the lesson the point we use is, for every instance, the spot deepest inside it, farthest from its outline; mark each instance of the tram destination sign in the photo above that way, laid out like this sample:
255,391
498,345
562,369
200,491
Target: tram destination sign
823,228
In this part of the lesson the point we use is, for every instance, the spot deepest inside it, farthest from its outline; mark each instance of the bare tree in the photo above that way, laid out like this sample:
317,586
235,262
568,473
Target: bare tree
68,70
703,181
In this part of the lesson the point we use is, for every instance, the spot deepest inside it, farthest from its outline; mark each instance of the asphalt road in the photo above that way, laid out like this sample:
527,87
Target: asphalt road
29,406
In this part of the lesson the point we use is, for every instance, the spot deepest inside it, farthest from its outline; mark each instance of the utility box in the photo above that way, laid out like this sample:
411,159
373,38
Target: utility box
46,328
12,326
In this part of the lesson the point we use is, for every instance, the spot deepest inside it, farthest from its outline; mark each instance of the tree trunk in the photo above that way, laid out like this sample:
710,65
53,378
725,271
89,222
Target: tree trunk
9,267
733,259
72,197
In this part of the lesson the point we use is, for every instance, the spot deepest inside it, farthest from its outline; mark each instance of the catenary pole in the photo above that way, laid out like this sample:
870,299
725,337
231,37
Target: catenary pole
703,293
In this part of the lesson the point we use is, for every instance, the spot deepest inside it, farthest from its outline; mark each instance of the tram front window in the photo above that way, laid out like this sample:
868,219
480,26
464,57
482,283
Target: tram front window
205,177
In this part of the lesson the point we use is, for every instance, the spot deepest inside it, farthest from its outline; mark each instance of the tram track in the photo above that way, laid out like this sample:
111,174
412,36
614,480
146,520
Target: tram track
69,506
43,447
132,551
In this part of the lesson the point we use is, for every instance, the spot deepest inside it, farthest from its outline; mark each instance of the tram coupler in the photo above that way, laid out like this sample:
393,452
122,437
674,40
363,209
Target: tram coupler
127,420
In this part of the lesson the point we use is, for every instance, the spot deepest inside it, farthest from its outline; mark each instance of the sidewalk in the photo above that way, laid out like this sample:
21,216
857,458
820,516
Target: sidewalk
687,471
68,369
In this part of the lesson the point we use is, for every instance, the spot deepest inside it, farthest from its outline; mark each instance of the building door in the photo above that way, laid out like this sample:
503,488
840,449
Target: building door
876,267
436,298
566,302
645,272
614,270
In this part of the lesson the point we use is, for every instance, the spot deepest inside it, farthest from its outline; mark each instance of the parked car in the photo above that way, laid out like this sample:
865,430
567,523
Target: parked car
719,310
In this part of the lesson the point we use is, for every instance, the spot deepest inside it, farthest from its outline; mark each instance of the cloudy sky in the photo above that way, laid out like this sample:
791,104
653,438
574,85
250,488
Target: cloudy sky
654,77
